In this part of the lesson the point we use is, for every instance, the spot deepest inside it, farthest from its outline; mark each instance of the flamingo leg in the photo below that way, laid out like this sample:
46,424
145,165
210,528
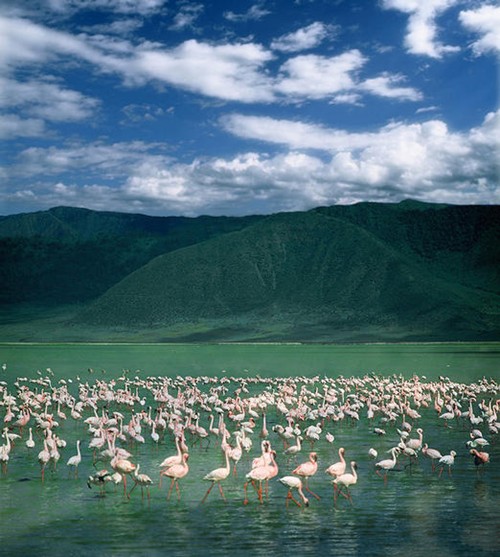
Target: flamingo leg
208,491
260,493
178,489
221,492
170,489
245,487
135,485
311,492
290,496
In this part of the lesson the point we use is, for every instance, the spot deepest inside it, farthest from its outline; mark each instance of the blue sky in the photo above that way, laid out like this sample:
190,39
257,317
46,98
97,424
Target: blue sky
169,107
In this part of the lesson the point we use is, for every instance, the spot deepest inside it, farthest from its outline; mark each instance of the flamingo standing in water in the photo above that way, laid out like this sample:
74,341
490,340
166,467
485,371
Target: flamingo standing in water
387,464
143,480
76,459
259,475
480,458
217,476
447,460
176,472
433,454
123,467
345,480
293,482
338,468
306,470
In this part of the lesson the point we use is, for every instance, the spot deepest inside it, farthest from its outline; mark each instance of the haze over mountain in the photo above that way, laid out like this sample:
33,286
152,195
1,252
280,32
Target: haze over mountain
365,272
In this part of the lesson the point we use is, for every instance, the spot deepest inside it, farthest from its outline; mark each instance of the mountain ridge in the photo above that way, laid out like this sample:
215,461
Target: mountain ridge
400,271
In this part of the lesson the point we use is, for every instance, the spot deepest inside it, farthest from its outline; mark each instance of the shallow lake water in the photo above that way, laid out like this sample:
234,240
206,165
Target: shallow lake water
414,513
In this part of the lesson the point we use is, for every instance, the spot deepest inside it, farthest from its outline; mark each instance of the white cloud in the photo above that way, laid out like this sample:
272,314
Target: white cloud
142,7
230,72
302,39
45,100
12,126
386,85
254,13
425,161
317,77
186,17
486,22
422,27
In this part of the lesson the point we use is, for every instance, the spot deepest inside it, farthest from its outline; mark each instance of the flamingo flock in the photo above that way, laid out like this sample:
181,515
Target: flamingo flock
286,419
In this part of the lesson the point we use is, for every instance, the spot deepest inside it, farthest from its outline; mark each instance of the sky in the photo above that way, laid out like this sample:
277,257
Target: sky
179,107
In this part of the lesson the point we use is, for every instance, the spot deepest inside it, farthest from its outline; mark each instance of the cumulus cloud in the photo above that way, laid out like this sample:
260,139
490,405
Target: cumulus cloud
227,71
302,39
387,85
231,72
422,30
486,22
12,126
45,100
316,77
318,166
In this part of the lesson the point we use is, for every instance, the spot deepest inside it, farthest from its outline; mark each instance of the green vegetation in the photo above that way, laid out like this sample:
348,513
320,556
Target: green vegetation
367,272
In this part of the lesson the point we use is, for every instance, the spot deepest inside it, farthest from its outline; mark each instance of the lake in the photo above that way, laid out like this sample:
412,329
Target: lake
414,513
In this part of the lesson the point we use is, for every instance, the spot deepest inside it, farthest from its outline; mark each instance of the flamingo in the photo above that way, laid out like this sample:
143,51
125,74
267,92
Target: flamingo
293,450
99,478
43,458
433,454
338,468
416,444
308,469
217,476
76,459
30,443
345,480
123,467
143,480
387,464
260,474
480,457
293,482
5,450
447,460
176,472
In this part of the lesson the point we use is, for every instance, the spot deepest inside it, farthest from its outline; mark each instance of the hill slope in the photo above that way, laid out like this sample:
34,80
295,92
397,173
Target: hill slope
406,271
304,274
67,255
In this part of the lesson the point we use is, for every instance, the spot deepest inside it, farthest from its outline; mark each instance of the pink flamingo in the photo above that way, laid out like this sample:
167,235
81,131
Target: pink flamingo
176,472
345,480
259,475
217,476
308,469
123,467
294,483
338,468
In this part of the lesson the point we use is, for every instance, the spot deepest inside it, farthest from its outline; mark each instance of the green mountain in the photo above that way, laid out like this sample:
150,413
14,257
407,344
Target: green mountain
67,255
366,272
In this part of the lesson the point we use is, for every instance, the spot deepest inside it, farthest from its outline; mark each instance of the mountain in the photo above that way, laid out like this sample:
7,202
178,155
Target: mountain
68,255
406,271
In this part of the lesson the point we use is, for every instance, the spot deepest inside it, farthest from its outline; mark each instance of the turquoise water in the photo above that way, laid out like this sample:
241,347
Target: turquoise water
460,361
414,514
